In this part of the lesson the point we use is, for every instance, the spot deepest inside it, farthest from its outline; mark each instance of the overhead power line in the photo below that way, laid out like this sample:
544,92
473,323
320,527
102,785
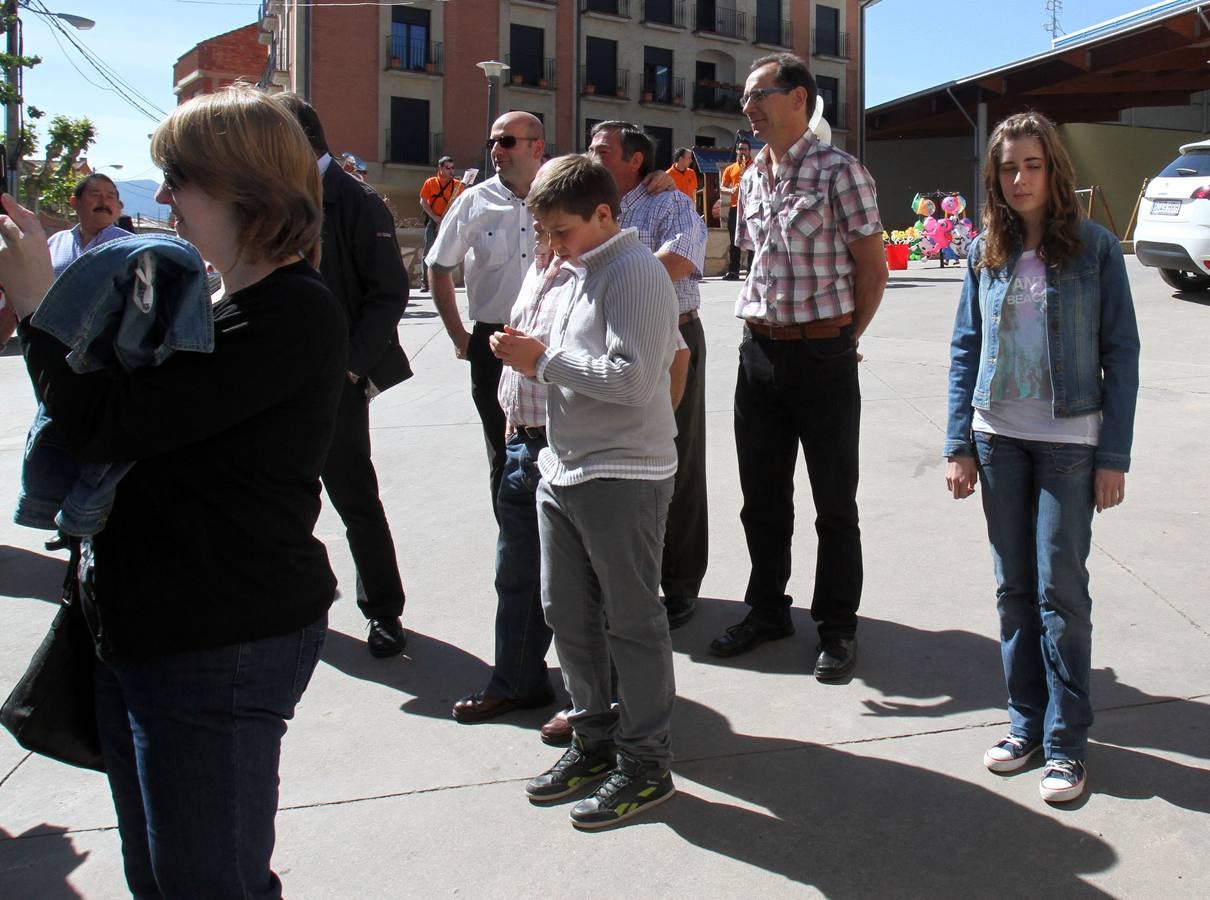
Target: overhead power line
128,92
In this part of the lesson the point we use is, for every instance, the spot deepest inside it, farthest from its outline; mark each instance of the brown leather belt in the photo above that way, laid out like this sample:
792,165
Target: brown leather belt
806,331
686,318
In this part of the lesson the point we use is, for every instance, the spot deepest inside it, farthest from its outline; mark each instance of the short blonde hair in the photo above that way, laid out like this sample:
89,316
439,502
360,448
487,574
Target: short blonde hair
239,146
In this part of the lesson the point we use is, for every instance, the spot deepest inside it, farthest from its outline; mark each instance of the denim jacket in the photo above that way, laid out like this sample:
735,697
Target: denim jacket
1092,343
123,305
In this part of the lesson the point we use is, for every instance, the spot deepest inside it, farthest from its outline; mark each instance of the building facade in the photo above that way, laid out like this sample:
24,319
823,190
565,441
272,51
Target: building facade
237,55
399,86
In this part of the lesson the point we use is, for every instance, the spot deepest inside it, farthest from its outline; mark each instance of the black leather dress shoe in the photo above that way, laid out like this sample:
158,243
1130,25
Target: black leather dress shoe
748,635
837,658
680,610
484,705
387,637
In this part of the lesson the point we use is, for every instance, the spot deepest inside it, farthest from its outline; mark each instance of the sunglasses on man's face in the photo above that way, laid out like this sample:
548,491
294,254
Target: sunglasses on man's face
508,141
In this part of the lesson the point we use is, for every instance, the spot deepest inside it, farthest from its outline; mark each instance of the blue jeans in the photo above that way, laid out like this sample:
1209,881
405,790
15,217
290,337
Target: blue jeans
191,743
1039,499
522,636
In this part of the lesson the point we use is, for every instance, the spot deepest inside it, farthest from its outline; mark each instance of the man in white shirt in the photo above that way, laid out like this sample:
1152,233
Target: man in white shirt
489,231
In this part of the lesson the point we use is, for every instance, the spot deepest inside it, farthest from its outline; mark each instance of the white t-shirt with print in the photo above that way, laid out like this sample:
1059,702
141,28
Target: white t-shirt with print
1022,396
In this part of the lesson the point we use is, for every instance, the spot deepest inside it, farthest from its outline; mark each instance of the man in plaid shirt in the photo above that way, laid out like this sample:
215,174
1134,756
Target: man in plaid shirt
670,228
519,678
809,214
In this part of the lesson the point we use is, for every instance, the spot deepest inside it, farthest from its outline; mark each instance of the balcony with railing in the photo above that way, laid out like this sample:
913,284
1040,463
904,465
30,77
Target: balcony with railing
720,20
664,12
771,31
600,85
531,71
411,148
711,96
407,55
663,89
830,43
619,8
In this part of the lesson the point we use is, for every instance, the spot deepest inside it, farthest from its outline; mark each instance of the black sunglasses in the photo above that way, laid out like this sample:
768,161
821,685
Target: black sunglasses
172,177
507,142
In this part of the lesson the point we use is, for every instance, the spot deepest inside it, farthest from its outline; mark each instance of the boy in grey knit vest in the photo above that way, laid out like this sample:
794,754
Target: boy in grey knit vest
607,478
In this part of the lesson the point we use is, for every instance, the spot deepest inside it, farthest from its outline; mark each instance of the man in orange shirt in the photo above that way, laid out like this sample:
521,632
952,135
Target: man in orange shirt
728,186
436,194
682,176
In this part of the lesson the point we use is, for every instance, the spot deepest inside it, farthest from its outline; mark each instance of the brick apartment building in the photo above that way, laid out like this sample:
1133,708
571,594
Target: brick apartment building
398,84
219,61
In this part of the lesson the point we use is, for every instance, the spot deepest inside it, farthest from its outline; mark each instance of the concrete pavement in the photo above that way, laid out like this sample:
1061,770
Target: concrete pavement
873,788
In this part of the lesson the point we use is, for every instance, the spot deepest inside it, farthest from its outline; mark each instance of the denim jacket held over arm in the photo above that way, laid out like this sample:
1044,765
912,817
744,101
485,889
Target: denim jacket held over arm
123,305
1092,344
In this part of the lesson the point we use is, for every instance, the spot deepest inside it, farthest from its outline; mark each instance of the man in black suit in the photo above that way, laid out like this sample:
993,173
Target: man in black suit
361,265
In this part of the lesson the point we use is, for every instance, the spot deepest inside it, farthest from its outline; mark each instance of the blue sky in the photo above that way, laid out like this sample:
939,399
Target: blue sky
911,46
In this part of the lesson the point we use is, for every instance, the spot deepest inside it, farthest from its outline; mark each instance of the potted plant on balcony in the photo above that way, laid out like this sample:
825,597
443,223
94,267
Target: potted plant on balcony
518,78
648,96
396,62
621,91
543,83
590,88
430,67
678,100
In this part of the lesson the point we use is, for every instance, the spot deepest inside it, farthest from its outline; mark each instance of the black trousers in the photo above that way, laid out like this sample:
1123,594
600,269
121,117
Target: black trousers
790,393
687,533
485,381
733,251
352,487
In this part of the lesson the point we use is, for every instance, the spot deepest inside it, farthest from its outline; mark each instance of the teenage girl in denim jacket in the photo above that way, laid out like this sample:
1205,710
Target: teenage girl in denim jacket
1043,381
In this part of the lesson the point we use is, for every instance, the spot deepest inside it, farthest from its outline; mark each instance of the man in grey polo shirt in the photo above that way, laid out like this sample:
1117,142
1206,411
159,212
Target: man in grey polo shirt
489,231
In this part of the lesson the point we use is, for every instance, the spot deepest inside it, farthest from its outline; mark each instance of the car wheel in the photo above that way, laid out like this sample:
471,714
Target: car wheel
1185,281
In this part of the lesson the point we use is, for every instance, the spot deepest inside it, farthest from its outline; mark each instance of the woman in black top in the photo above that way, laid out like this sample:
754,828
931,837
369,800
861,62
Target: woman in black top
211,592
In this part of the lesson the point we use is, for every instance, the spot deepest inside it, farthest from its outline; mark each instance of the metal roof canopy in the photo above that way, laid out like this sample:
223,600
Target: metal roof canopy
1152,57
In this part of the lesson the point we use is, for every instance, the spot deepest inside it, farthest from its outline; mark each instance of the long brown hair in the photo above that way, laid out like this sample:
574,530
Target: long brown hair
241,147
1001,225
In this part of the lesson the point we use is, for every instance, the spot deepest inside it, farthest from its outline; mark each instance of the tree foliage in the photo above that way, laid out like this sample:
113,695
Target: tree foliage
50,183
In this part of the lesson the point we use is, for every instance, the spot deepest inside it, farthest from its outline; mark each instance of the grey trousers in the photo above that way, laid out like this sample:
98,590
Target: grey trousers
601,547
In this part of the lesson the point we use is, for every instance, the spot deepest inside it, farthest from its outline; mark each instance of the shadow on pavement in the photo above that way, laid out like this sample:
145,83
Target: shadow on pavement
24,573
37,862
436,673
851,826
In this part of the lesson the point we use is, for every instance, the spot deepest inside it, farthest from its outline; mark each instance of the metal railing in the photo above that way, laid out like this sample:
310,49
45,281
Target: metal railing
408,55
411,155
619,88
772,31
717,97
663,90
830,43
725,21
664,12
531,70
609,7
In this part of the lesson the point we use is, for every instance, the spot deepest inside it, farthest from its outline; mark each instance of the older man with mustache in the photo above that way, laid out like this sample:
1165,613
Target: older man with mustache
98,205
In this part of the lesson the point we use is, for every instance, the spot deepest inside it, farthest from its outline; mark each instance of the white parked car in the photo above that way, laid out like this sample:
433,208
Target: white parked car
1173,232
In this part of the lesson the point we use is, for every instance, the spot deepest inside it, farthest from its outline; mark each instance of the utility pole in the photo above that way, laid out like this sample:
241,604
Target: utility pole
1054,29
12,112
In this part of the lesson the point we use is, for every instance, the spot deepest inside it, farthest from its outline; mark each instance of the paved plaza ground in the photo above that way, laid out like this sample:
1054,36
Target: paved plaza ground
788,788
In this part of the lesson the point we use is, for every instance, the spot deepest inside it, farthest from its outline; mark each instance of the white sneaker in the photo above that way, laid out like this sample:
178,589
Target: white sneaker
1063,780
1010,754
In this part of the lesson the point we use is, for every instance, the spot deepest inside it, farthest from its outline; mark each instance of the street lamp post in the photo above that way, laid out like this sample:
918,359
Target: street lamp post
12,74
493,70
